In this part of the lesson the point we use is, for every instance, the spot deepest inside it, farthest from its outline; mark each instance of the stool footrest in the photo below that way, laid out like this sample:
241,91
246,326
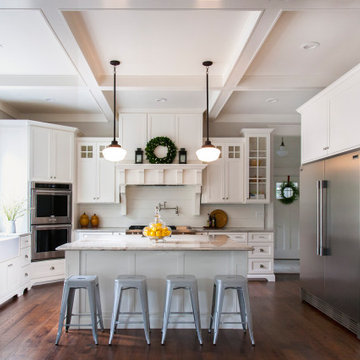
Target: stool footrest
181,313
129,322
130,313
181,322
233,322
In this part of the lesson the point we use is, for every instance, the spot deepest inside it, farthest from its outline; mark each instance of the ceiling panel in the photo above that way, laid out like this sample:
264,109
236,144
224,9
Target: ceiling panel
336,31
162,42
29,47
50,101
254,102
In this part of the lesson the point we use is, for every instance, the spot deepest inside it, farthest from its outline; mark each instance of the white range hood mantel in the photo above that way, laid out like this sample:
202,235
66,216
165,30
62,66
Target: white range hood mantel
160,174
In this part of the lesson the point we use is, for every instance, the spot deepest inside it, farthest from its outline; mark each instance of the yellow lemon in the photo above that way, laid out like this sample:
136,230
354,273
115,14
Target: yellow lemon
152,233
158,233
158,225
167,233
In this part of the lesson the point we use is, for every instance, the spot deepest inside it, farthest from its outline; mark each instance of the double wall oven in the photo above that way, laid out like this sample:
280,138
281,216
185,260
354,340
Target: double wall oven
51,210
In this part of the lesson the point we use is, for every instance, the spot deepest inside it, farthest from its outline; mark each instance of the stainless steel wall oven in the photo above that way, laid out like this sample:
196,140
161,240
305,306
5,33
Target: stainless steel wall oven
51,212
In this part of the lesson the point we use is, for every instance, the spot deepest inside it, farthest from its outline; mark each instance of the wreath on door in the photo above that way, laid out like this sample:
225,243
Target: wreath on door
289,192
160,141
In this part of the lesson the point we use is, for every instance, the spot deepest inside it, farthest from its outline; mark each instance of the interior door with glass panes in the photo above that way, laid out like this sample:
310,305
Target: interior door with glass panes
258,168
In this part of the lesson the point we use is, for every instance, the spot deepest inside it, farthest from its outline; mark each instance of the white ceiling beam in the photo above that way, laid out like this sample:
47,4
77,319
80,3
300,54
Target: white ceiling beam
264,26
281,83
40,81
260,118
62,31
9,110
171,83
183,4
66,118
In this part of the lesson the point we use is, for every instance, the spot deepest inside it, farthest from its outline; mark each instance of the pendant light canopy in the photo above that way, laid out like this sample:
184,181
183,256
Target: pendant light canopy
208,151
114,152
282,149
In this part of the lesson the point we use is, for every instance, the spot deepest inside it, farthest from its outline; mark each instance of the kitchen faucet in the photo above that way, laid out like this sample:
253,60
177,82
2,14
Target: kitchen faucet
162,206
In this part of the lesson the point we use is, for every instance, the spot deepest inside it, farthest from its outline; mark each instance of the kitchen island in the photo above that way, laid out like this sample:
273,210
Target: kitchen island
201,255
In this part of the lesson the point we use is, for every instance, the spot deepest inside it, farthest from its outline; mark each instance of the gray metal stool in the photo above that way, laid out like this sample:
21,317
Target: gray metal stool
91,284
125,282
174,282
239,283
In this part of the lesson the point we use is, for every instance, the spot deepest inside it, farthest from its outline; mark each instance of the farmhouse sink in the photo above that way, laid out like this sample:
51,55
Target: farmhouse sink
9,247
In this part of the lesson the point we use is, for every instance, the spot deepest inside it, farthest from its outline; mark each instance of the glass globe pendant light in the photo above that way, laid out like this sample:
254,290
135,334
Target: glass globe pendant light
208,152
114,152
282,150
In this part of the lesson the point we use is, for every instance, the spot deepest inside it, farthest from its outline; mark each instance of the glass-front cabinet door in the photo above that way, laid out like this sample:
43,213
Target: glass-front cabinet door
257,182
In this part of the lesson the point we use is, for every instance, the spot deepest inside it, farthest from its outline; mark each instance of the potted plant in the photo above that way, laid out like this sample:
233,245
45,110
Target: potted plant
12,212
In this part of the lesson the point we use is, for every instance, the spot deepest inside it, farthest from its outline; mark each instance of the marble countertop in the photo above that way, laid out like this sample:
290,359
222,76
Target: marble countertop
196,228
174,243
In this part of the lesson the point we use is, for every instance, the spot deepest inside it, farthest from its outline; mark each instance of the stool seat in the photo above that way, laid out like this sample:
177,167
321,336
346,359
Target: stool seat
222,283
72,283
175,282
126,282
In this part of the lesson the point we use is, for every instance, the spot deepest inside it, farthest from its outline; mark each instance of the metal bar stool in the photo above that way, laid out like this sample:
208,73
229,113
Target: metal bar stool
174,282
91,284
126,282
239,283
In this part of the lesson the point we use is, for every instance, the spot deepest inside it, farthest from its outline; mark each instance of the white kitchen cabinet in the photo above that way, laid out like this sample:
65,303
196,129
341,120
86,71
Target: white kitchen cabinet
96,176
133,133
47,271
224,178
257,169
329,121
136,129
315,131
15,273
52,153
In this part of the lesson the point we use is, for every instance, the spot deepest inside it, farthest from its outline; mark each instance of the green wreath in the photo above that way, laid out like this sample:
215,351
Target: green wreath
160,141
286,188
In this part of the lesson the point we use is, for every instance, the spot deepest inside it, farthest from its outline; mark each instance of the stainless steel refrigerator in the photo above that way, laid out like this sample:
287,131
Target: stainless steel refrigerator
330,237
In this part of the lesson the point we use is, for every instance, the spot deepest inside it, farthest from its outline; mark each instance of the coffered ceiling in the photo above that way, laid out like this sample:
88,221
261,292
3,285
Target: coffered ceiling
54,57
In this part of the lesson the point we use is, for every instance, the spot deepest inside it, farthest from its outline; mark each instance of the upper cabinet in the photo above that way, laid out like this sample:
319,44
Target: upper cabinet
51,154
329,121
185,130
257,169
95,175
224,178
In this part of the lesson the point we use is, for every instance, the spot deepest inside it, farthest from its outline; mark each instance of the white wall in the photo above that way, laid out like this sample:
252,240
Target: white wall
143,199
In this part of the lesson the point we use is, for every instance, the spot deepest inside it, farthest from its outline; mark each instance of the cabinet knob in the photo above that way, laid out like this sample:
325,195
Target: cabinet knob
261,250
10,265
262,266
26,274
326,148
26,256
52,268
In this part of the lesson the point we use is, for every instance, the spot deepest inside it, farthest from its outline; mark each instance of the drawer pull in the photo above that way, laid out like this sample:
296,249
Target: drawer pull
52,268
261,250
10,265
26,274
262,266
26,256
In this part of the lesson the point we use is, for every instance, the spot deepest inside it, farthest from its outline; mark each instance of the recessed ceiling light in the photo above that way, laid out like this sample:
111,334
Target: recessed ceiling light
161,100
49,99
271,100
310,45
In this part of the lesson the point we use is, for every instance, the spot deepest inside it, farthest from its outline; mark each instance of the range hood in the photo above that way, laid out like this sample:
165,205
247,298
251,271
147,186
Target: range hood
160,174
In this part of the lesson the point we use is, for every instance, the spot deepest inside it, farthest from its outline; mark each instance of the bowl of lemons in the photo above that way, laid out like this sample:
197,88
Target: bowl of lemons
157,230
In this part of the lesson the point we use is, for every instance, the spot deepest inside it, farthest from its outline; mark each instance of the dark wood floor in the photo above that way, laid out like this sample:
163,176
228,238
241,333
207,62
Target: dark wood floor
285,329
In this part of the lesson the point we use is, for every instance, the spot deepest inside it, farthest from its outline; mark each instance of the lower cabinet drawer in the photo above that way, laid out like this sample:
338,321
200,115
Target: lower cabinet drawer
261,250
43,269
259,266
25,241
260,237
25,274
25,256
